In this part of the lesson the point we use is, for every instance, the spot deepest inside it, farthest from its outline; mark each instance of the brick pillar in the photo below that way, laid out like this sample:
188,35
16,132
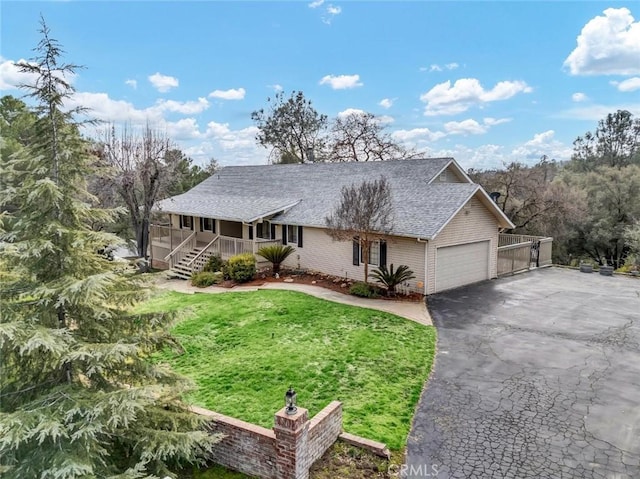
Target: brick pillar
292,434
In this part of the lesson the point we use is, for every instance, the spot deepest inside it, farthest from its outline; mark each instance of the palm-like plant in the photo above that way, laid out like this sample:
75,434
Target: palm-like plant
390,278
276,254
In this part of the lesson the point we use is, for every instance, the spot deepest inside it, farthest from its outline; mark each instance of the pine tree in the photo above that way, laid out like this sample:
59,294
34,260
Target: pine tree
78,394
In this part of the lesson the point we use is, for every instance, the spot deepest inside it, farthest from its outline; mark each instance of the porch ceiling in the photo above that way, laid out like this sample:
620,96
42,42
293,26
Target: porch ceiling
225,207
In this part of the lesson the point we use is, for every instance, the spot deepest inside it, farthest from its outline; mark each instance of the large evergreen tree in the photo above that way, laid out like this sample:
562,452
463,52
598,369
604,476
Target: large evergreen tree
78,395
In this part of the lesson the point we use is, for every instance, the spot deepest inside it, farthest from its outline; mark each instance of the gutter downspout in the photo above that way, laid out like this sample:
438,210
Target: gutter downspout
426,261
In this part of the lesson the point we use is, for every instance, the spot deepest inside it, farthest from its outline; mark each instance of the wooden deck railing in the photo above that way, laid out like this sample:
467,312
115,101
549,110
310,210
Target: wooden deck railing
198,263
181,251
522,252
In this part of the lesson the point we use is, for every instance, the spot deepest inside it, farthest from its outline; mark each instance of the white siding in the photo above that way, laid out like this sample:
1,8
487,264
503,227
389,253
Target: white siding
320,253
472,223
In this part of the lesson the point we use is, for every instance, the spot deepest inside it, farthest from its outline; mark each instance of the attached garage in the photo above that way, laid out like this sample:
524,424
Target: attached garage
462,264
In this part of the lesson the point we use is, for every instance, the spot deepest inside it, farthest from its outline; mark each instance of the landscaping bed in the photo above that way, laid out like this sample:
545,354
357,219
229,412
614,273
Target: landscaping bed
334,283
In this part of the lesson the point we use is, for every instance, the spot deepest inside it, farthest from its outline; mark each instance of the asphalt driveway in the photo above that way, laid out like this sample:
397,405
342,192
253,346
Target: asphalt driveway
536,376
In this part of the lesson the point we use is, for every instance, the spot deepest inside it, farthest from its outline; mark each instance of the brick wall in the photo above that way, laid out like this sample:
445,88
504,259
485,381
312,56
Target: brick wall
324,429
286,452
245,447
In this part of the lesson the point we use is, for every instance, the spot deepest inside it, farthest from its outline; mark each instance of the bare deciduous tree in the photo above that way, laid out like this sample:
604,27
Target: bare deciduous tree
361,136
364,214
141,173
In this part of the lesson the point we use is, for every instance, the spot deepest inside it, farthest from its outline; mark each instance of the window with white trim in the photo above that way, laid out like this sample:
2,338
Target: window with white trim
374,253
208,224
186,222
292,234
263,230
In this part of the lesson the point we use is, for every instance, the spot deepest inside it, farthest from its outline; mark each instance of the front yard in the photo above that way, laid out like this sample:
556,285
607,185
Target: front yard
245,349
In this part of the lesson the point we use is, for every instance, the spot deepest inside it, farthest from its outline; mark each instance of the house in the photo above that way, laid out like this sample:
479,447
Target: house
445,226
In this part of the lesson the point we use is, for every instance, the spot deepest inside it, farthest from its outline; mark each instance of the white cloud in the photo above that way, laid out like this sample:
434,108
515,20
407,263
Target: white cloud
350,111
186,108
438,68
231,94
341,82
495,121
542,144
184,129
132,83
104,108
384,119
333,10
607,45
417,136
447,99
330,12
11,77
386,103
316,3
630,84
472,127
276,87
598,112
465,127
163,83
579,97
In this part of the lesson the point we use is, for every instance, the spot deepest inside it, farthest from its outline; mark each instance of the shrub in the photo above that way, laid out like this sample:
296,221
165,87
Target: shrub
214,264
390,278
241,267
206,278
364,290
276,254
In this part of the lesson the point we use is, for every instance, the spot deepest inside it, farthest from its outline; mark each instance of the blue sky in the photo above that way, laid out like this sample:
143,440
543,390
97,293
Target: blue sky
485,82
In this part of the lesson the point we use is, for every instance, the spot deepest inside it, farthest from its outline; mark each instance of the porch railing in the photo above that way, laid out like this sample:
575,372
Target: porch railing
181,251
523,252
200,260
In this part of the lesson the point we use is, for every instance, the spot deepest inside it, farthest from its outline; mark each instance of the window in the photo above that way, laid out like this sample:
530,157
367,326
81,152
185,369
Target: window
292,234
444,177
374,254
186,222
263,230
208,224
377,253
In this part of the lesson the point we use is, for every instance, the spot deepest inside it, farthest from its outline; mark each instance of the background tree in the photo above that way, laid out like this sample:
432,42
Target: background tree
144,166
361,136
612,198
292,128
186,174
78,397
364,214
528,195
615,143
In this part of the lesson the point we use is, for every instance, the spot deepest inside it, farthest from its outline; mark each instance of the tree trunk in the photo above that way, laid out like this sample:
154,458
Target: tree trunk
365,259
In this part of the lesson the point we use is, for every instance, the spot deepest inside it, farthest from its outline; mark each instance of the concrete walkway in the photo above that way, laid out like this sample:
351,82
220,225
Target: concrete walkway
415,311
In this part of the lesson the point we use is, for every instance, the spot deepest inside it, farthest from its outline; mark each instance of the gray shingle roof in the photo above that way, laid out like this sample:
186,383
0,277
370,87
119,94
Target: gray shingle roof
309,192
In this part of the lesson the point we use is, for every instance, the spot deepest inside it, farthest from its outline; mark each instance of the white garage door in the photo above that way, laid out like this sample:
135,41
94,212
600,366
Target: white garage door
461,264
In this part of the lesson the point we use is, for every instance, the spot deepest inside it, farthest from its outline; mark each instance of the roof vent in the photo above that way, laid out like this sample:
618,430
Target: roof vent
495,195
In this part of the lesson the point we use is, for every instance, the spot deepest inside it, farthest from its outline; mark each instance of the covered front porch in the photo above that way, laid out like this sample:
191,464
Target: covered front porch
186,251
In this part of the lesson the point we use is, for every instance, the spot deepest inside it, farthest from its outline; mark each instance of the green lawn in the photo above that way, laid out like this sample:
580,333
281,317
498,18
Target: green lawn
245,349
